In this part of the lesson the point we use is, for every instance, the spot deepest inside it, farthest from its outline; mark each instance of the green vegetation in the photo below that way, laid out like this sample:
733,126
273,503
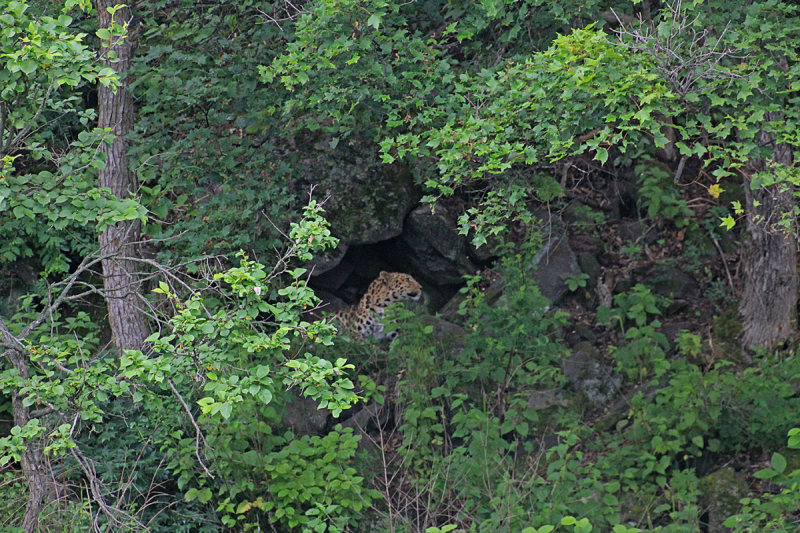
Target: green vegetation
615,182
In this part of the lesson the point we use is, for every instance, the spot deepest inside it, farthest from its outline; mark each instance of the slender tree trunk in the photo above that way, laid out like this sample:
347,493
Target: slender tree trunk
769,259
40,486
128,322
33,466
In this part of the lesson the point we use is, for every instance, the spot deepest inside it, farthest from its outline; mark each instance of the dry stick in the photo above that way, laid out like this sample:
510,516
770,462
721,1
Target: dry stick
96,489
724,262
681,164
196,427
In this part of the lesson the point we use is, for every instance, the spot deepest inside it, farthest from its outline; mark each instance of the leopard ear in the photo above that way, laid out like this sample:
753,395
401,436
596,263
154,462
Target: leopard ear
385,276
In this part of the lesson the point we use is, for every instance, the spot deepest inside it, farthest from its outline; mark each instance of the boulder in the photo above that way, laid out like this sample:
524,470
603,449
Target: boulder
448,335
546,398
433,247
675,284
635,231
331,279
369,417
589,266
720,493
492,287
555,261
366,200
590,376
304,417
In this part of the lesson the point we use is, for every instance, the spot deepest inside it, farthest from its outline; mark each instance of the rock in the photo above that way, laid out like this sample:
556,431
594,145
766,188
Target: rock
333,278
449,335
371,207
636,231
372,415
492,288
556,261
326,260
589,265
303,416
544,399
720,493
368,200
434,248
589,376
675,284
578,333
485,252
577,213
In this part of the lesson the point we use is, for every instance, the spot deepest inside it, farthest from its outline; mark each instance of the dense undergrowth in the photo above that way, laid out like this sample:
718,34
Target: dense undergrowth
477,422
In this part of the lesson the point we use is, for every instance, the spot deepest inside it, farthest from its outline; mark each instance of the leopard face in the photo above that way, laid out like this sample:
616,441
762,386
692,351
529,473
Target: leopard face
390,287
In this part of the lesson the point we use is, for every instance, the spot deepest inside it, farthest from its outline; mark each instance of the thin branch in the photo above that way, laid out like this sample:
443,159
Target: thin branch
724,262
199,434
42,412
69,282
677,179
24,132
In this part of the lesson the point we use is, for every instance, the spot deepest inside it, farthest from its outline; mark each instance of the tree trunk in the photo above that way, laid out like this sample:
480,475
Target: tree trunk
32,462
769,259
129,324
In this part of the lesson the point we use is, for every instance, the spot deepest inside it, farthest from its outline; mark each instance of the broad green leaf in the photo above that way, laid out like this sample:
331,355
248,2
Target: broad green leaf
778,462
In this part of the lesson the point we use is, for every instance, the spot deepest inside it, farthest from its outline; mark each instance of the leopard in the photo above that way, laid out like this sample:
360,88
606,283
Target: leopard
364,319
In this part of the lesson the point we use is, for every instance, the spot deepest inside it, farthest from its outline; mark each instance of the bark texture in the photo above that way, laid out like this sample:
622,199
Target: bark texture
40,487
129,323
769,300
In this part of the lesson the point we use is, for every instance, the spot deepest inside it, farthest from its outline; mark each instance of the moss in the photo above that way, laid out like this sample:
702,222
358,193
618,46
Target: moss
720,493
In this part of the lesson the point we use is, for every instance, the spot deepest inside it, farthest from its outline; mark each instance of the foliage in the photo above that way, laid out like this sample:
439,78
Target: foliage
222,345
576,281
50,214
660,198
458,403
585,93
479,99
312,486
204,139
40,56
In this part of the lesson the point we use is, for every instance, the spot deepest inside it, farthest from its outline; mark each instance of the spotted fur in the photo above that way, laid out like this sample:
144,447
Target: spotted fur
365,318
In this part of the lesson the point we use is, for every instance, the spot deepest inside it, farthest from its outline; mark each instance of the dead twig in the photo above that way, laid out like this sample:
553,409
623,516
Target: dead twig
199,432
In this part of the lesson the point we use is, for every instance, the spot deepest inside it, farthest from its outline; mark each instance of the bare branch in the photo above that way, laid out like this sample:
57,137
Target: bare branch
199,433
115,515
290,13
68,283
685,56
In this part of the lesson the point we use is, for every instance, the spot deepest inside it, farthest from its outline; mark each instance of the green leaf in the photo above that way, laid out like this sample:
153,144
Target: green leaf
767,473
728,222
375,20
778,462
27,66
